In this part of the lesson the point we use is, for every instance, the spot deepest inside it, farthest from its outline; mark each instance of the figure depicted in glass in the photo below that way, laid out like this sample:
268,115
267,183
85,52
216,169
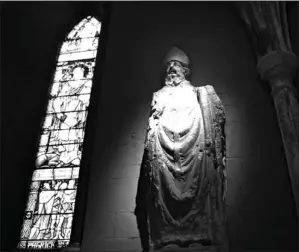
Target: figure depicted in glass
184,202
50,207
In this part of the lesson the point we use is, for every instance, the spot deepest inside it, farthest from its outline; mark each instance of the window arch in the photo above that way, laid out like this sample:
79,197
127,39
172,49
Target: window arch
50,205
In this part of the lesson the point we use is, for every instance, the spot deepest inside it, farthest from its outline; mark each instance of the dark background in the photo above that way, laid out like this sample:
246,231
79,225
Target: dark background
261,212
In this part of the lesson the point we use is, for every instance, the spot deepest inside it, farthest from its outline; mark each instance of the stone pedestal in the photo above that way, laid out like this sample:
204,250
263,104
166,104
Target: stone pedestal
279,69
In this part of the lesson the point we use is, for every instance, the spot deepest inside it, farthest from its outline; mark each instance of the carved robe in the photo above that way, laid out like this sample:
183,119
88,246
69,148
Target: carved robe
183,164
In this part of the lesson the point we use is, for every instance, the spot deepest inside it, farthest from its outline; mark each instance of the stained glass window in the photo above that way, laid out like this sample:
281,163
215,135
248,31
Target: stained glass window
50,206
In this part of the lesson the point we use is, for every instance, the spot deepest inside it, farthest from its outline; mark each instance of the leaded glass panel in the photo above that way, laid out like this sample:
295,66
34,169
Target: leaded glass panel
51,201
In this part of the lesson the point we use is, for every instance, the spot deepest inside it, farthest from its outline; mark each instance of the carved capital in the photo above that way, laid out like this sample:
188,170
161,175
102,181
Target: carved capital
278,69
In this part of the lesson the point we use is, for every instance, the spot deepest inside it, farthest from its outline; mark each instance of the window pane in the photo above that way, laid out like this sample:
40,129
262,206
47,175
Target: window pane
79,45
51,201
76,87
77,55
82,70
88,28
65,136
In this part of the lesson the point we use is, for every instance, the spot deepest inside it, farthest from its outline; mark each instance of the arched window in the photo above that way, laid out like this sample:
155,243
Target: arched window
49,212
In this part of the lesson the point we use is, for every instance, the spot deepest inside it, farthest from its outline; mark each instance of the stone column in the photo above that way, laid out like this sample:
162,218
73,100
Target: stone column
266,22
279,69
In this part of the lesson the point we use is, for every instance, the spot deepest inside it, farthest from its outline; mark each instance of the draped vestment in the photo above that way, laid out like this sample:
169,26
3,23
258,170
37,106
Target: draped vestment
183,163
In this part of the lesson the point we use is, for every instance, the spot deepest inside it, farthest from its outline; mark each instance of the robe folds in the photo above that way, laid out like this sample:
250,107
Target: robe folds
183,167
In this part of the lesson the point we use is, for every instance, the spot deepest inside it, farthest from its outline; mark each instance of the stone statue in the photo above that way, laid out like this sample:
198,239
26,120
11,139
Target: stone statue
183,203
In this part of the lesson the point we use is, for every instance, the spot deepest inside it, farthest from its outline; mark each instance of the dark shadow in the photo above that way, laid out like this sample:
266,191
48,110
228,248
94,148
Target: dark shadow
141,204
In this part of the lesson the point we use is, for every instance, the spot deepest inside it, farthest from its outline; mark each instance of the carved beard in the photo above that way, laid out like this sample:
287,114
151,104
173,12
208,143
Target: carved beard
175,76
173,79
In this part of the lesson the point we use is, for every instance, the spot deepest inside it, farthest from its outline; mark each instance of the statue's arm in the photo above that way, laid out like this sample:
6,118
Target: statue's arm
219,138
218,122
215,123
156,106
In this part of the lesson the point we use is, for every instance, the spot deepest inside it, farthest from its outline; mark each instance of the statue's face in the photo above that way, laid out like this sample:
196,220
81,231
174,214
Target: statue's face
175,73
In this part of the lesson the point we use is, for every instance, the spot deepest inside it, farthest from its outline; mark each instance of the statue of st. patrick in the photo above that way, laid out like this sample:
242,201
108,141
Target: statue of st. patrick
183,163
